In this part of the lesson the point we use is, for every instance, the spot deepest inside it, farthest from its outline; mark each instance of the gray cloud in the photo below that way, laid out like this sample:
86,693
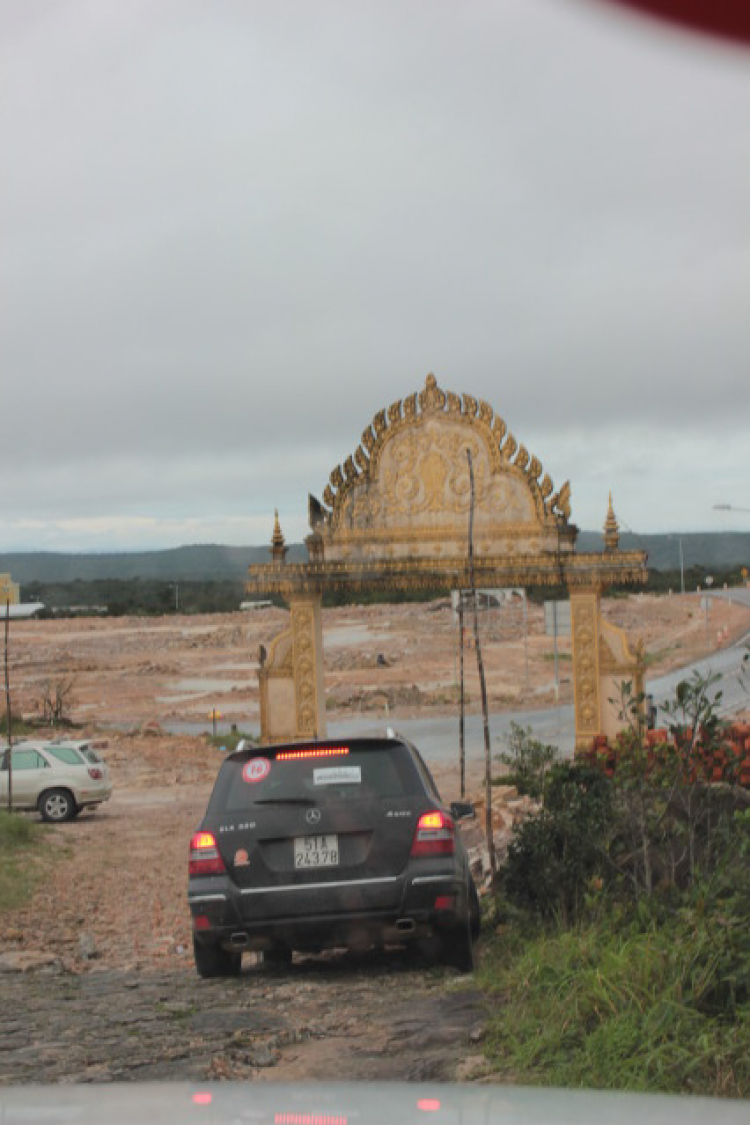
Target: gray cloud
234,232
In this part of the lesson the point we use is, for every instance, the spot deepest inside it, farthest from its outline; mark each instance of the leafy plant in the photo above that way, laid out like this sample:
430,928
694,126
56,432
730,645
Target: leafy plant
555,855
529,761
622,959
668,817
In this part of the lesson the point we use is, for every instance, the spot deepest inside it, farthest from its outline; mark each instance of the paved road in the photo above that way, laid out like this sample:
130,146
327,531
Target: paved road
739,595
437,738
728,663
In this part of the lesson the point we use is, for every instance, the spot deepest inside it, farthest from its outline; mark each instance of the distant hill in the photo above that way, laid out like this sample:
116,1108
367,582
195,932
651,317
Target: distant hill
719,550
212,562
201,563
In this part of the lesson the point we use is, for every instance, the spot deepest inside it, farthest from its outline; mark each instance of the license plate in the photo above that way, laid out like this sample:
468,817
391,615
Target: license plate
316,851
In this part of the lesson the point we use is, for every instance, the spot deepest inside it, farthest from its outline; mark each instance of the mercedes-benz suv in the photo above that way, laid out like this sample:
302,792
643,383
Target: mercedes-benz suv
316,845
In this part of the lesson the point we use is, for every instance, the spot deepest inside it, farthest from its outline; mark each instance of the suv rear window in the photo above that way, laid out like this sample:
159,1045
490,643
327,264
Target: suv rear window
372,770
64,754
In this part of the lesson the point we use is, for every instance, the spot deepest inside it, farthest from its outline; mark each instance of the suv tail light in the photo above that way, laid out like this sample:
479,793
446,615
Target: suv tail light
434,835
205,857
95,773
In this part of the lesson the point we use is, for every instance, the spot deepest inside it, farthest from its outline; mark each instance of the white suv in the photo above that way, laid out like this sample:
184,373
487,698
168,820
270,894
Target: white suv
58,778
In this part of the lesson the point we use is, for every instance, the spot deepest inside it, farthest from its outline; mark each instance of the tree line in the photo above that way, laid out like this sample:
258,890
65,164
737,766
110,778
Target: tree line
118,597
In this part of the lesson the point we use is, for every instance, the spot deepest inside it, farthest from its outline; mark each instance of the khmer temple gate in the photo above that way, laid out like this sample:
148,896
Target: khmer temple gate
395,517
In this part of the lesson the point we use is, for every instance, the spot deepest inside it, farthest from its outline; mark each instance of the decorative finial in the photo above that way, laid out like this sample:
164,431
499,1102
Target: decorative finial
611,529
432,399
278,544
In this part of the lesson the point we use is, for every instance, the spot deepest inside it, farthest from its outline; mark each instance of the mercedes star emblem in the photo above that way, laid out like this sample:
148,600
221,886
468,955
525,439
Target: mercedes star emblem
312,816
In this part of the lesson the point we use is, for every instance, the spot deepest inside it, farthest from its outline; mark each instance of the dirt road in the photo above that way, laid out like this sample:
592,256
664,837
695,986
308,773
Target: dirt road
328,1018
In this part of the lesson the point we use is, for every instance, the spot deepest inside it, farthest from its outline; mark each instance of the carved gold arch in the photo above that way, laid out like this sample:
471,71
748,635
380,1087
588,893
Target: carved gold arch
395,516
405,490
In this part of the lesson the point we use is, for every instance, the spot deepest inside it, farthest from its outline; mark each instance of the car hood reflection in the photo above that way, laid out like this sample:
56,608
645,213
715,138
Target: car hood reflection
357,1103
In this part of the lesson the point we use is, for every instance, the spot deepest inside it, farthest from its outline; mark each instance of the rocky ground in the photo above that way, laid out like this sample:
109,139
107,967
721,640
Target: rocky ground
96,971
335,1019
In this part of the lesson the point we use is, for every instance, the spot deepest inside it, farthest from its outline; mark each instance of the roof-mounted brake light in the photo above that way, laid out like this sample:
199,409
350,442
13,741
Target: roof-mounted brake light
313,752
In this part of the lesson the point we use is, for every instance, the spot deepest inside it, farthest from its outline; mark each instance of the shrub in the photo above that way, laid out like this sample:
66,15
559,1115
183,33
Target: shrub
529,761
554,856
638,976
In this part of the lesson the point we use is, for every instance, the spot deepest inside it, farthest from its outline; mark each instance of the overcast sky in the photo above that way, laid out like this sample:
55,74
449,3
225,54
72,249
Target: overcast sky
234,230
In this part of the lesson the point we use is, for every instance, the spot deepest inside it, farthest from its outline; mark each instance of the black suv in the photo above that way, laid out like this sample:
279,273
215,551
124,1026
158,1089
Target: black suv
313,845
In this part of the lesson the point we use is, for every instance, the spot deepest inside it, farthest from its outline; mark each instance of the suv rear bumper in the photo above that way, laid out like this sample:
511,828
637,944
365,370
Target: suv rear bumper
93,796
290,916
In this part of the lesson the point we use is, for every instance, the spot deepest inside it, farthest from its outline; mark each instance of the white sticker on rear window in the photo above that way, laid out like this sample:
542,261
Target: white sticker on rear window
338,775
256,769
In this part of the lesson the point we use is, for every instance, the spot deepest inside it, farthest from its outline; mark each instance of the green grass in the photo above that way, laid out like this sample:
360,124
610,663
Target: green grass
615,1007
19,859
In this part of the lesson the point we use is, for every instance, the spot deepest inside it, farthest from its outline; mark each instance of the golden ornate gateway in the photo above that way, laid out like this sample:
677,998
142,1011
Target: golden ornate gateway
395,516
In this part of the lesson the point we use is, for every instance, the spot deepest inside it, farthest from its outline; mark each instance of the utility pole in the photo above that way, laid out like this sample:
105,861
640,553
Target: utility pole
462,711
482,683
7,706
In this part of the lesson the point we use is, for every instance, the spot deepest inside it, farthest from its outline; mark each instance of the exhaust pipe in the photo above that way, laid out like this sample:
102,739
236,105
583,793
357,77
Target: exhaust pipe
405,926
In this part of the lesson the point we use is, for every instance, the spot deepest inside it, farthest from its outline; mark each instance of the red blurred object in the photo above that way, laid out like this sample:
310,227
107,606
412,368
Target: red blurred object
728,19
445,902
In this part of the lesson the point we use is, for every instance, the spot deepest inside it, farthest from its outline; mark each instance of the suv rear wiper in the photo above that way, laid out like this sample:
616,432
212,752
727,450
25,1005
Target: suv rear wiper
285,801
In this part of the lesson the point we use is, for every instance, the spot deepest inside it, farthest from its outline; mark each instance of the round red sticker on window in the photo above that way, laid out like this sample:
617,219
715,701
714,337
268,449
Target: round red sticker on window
256,769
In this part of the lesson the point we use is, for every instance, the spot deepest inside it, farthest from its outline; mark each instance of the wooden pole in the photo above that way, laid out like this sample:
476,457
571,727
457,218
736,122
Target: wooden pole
482,682
7,706
462,713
